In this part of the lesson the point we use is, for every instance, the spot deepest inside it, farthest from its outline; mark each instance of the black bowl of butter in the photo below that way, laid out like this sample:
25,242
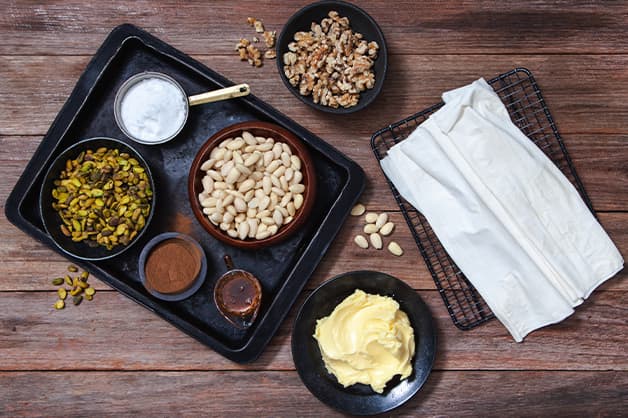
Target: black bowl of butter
361,295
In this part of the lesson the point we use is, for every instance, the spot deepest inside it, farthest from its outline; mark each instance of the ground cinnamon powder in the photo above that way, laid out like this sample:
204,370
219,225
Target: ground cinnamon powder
172,266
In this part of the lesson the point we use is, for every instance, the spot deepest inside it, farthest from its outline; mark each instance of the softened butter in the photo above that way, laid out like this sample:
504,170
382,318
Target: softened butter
366,339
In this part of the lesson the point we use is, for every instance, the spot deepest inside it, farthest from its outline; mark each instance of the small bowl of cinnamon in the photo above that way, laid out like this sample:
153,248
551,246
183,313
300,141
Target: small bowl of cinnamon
172,266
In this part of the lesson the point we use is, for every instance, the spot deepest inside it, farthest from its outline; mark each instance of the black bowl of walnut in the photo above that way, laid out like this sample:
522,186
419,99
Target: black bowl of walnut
333,57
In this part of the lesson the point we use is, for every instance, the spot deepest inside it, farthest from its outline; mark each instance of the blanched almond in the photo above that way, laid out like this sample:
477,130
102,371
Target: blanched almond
361,241
371,217
395,249
387,229
358,209
381,220
376,241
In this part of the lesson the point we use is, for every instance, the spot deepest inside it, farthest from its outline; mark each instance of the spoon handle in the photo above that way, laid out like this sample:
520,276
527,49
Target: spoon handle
222,94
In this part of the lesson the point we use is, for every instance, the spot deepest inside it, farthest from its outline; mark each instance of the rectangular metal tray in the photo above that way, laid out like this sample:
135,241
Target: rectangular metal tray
283,269
528,110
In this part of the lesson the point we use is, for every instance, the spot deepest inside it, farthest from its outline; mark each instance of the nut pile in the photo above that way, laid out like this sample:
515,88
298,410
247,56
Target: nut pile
252,186
331,62
75,287
103,198
376,226
249,52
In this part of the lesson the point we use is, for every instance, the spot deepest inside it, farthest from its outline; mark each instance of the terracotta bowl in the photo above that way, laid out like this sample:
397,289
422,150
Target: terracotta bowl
264,129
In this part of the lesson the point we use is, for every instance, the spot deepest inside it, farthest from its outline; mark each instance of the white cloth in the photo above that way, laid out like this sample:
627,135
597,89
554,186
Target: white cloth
504,212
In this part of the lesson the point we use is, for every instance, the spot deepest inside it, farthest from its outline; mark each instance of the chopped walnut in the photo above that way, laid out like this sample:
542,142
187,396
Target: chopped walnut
330,62
252,54
249,52
241,48
259,26
269,38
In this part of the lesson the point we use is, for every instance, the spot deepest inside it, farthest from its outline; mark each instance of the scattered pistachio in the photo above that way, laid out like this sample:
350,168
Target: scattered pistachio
79,289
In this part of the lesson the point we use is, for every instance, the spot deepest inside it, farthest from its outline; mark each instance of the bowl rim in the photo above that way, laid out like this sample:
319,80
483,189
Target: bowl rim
198,281
307,168
424,334
383,54
47,176
124,88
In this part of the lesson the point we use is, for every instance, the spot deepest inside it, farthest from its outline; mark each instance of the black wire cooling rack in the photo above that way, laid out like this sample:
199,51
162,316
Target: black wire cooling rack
522,97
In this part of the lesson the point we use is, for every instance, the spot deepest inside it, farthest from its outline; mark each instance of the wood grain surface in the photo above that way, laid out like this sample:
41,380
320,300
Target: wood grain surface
113,357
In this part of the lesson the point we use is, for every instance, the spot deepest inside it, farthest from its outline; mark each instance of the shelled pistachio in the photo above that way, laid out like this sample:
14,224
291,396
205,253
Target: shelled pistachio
103,198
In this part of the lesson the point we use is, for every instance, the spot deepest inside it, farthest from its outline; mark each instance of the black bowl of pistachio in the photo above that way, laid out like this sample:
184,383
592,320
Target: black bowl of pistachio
97,198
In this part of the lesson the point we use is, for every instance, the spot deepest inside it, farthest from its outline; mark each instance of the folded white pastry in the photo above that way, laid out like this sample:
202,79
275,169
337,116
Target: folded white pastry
506,215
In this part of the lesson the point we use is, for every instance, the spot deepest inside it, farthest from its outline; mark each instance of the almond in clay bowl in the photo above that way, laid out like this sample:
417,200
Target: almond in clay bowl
240,176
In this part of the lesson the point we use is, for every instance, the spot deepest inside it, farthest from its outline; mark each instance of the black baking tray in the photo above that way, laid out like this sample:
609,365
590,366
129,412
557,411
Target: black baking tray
528,110
283,269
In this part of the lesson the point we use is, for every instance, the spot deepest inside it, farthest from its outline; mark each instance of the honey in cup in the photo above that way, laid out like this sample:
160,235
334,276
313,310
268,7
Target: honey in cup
238,295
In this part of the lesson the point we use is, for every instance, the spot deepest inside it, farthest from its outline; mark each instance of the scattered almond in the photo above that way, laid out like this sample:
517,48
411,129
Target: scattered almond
381,220
358,210
376,240
361,241
395,249
387,229
371,217
376,226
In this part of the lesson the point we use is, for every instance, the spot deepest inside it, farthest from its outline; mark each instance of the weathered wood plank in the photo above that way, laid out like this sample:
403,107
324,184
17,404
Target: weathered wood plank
431,27
565,394
599,159
586,93
113,333
29,265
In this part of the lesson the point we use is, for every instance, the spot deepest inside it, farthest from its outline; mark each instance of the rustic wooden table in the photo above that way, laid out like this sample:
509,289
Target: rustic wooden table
115,357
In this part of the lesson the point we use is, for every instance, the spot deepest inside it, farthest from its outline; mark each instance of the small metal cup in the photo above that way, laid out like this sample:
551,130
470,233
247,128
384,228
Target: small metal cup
117,104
